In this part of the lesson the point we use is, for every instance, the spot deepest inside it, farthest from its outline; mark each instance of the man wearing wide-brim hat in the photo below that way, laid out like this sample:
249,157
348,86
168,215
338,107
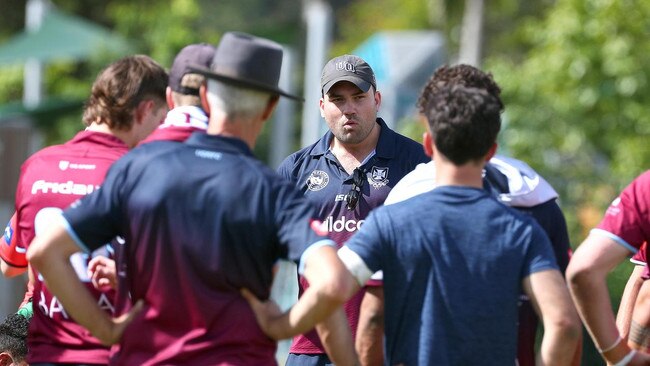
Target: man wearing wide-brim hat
202,221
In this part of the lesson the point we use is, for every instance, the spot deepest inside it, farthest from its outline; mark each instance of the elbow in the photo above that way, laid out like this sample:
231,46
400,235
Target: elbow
10,271
578,275
569,325
36,254
341,287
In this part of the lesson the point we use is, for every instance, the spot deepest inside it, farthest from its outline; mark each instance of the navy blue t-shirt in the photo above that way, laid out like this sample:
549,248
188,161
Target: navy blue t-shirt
452,275
200,220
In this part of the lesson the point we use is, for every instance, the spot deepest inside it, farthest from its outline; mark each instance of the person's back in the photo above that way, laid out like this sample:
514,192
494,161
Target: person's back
57,176
455,260
201,222
453,277
216,324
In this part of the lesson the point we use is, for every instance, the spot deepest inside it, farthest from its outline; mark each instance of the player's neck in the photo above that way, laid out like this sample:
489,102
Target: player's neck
245,130
449,174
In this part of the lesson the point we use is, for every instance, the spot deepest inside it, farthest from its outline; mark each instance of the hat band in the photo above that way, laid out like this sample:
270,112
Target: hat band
188,91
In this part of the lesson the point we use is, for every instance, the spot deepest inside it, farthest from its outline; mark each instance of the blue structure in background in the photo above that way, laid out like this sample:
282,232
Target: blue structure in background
403,61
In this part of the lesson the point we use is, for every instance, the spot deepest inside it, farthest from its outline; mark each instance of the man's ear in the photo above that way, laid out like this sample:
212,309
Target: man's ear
491,152
321,104
270,106
5,359
427,143
377,100
168,97
203,90
143,109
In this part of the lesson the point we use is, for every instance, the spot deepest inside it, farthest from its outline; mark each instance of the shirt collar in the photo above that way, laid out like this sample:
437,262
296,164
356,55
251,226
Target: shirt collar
385,145
219,143
99,138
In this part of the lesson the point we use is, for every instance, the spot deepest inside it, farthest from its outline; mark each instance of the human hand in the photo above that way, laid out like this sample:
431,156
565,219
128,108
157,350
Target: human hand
113,334
266,312
102,273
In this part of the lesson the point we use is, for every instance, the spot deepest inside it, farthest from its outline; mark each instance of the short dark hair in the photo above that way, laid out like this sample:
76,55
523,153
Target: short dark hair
462,74
119,89
464,122
13,336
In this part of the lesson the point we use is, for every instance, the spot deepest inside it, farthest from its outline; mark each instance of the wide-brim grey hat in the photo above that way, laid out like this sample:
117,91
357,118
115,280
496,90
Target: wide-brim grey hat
248,61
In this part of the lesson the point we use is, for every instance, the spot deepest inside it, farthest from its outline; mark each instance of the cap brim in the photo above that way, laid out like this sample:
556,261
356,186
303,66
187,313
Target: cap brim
252,84
359,82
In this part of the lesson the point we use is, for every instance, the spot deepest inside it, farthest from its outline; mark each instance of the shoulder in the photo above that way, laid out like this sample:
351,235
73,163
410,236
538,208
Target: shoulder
45,153
640,185
293,163
142,155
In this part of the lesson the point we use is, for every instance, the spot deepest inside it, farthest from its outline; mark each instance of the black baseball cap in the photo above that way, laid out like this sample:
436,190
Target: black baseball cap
347,68
199,54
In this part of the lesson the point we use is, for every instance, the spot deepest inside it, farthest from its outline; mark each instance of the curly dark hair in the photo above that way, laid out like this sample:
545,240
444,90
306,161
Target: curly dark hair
119,89
465,75
464,122
13,336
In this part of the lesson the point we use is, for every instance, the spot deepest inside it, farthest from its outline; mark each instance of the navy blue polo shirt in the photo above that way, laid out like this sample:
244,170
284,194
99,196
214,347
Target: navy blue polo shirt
316,172
201,220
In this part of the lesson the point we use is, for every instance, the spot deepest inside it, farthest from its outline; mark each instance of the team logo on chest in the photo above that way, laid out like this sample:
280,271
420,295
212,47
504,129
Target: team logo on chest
378,177
317,180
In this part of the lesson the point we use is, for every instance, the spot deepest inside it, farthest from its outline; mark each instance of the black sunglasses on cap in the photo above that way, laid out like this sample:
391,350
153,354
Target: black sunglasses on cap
352,198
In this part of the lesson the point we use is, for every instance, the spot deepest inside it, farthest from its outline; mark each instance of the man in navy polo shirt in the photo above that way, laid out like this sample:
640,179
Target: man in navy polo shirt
201,221
347,173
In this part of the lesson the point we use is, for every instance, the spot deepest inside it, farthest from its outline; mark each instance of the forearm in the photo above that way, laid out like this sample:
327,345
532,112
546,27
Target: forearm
628,299
558,347
370,331
312,307
11,271
336,337
592,300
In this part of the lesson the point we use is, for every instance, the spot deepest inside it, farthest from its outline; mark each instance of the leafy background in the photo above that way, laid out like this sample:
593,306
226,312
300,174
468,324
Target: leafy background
574,75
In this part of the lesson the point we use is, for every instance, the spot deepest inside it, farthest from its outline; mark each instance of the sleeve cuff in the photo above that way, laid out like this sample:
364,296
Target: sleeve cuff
355,265
616,238
310,250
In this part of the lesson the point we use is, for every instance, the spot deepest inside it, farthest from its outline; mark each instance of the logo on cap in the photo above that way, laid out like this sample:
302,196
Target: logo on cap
345,66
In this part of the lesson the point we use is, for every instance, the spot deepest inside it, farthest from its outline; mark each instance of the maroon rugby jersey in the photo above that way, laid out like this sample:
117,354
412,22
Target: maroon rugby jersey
51,180
627,220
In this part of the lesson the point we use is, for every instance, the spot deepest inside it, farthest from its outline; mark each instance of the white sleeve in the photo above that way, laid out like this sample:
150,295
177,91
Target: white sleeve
355,265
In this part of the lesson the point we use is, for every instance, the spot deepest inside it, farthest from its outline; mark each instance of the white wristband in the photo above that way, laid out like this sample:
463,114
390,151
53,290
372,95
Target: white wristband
625,360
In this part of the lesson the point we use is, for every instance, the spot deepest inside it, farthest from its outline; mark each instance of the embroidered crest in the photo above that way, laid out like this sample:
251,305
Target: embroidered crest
317,180
378,177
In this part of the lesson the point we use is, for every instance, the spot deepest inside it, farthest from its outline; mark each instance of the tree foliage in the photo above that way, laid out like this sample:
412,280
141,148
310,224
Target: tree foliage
577,103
